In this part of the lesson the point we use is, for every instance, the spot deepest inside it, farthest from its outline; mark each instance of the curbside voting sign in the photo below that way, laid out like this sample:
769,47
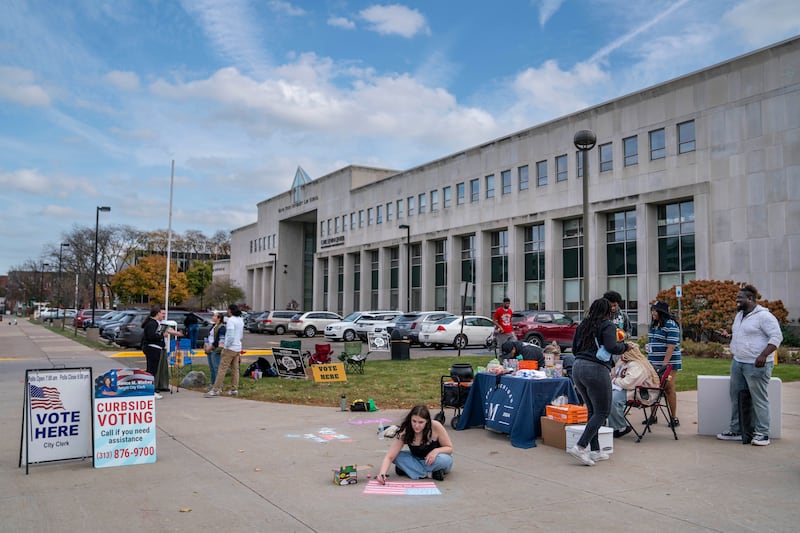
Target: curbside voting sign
58,413
124,418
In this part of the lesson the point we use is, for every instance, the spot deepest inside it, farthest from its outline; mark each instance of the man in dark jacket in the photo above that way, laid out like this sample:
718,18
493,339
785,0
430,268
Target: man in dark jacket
529,352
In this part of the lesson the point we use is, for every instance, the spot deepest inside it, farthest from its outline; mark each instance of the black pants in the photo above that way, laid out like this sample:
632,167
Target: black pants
153,356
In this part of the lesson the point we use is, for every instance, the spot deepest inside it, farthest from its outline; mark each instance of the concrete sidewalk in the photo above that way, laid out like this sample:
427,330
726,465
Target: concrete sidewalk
229,464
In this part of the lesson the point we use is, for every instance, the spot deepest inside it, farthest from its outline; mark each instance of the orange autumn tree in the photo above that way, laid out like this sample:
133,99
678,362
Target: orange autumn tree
710,305
145,282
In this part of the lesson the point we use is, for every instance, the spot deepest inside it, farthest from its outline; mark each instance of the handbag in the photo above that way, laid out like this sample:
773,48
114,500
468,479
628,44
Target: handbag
602,354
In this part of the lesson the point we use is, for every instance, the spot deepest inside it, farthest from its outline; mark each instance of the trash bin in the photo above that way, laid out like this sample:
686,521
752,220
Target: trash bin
400,344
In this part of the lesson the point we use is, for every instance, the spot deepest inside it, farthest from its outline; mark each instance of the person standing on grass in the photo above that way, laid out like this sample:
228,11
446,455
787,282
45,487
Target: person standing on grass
756,336
231,349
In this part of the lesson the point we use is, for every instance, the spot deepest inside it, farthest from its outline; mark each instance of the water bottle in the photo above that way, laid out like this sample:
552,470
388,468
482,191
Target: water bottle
380,430
343,403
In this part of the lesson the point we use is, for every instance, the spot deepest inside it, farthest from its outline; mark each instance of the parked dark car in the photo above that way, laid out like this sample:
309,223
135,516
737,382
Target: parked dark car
111,330
543,327
251,321
130,334
412,323
84,316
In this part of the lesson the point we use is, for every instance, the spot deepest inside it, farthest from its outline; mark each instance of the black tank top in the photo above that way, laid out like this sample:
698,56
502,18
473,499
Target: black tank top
423,450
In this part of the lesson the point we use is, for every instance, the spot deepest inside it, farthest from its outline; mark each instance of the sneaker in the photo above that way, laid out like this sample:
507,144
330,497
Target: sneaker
758,440
438,475
212,393
621,432
159,397
674,423
729,435
581,454
233,392
599,455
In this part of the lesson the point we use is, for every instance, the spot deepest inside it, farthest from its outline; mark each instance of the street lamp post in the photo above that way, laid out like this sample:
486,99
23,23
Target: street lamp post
105,209
584,141
60,283
41,287
408,265
274,275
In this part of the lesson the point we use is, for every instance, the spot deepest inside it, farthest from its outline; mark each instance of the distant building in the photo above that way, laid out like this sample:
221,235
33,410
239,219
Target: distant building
698,177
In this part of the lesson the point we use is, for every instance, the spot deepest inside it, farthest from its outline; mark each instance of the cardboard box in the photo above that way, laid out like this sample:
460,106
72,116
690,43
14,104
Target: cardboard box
569,413
346,475
605,434
554,433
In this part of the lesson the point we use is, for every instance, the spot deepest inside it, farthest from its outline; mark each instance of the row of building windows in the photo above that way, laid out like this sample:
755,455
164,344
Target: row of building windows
418,204
263,243
676,262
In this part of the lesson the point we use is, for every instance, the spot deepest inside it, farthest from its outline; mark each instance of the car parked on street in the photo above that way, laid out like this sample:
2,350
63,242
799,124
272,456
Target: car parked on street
84,317
310,322
448,332
412,323
130,333
251,322
111,330
543,327
375,322
275,322
346,329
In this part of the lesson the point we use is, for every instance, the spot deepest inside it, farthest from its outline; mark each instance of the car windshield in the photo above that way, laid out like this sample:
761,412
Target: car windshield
352,317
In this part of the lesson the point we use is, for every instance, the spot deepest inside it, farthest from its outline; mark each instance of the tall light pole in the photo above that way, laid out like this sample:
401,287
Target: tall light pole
584,141
408,265
60,283
41,286
105,209
274,275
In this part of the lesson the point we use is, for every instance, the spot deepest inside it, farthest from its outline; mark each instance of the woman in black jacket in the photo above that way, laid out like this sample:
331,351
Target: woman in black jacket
153,340
592,376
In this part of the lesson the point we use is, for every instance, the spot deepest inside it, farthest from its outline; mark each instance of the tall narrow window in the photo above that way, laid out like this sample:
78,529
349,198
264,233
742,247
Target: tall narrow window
657,145
606,157
410,203
505,178
474,190
389,213
534,267
460,193
561,168
630,146
621,266
522,175
490,186
434,200
579,164
416,276
394,278
676,251
686,140
499,255
379,214
399,208
572,273
374,277
356,282
440,275
370,216
447,194
339,284
360,218
468,268
541,173
423,207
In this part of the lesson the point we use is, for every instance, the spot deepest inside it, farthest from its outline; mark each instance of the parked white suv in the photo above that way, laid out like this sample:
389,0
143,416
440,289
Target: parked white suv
375,322
346,329
310,322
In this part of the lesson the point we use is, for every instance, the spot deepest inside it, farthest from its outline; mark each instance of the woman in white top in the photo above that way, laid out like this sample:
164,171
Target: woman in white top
631,371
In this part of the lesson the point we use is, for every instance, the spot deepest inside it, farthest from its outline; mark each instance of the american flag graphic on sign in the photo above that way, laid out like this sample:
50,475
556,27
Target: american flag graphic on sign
45,398
402,488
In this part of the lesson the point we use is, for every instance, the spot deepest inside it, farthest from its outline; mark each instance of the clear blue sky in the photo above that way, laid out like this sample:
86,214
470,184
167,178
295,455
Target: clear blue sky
97,97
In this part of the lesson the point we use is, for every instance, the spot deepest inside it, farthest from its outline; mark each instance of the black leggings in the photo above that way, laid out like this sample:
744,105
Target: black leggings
153,356
593,381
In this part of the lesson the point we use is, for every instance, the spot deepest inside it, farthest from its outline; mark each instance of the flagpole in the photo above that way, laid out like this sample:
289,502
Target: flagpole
169,235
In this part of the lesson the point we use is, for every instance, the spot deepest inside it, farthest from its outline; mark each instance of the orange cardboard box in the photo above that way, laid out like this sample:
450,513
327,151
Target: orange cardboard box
568,413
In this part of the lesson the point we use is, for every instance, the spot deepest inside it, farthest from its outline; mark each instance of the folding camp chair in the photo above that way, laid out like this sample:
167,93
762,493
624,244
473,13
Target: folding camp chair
291,344
321,355
352,357
660,404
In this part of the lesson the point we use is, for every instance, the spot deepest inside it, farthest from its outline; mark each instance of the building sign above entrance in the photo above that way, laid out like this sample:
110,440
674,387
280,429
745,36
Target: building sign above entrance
333,241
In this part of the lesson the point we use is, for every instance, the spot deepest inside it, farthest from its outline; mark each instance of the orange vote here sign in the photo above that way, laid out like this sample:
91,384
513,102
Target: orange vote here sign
328,373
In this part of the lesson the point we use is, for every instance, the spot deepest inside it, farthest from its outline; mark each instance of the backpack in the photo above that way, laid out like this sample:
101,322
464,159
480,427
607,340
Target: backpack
266,368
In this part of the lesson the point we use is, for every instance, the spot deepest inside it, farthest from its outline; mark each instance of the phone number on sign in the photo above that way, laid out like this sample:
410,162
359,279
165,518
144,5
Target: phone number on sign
124,453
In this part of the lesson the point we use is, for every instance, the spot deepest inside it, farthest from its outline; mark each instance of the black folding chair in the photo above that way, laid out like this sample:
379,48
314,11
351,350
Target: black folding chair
641,402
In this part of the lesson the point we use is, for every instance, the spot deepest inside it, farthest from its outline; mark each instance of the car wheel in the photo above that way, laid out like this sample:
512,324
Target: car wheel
534,339
349,335
280,330
426,344
437,346
310,331
439,417
460,342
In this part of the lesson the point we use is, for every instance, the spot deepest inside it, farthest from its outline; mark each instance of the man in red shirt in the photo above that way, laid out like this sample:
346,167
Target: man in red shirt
502,323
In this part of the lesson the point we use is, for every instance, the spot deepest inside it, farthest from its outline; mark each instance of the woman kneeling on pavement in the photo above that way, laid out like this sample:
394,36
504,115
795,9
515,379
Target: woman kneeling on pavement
430,450
631,371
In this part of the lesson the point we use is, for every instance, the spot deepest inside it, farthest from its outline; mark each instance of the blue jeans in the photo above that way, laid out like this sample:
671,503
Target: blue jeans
213,364
616,418
416,467
193,330
747,376
593,382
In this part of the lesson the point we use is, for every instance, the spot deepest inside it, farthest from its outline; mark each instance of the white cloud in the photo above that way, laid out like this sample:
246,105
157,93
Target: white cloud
123,80
17,85
395,19
285,8
25,180
548,8
342,22
758,22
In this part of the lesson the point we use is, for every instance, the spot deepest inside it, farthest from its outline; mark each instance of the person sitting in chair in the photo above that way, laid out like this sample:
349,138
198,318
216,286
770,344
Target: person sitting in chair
529,352
631,371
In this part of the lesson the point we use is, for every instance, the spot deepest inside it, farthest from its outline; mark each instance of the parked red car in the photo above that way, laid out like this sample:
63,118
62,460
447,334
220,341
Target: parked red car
84,317
543,327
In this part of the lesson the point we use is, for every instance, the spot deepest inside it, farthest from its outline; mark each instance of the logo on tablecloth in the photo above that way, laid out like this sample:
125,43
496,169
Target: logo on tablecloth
500,405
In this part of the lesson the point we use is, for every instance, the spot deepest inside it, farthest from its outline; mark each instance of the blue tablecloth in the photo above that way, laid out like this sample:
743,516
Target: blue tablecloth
512,405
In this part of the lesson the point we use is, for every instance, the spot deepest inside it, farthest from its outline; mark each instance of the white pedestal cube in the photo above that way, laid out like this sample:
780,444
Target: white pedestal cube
714,405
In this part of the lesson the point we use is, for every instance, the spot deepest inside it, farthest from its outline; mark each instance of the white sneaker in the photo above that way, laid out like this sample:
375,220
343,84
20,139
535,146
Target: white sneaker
233,392
212,394
581,454
760,439
159,397
598,456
